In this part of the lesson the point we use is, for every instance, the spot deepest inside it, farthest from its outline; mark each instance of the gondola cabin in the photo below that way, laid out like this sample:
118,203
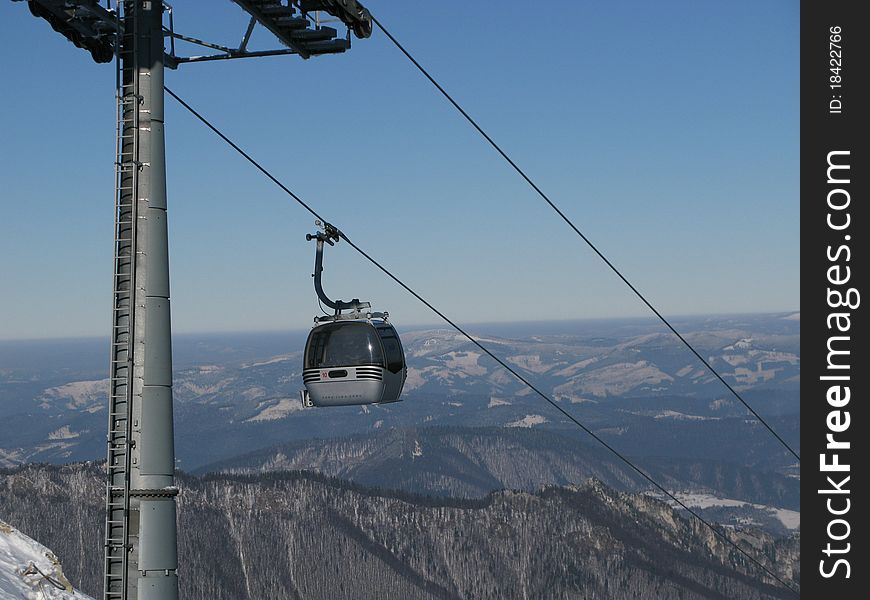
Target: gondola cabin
353,362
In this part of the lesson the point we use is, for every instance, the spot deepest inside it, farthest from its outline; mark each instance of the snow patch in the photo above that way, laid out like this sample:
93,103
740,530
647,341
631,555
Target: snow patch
760,374
415,378
11,457
719,404
284,407
271,361
790,519
64,433
744,344
501,378
254,393
613,380
493,402
80,394
21,559
528,421
735,359
530,362
465,362
202,390
672,414
684,371
572,398
774,356
573,369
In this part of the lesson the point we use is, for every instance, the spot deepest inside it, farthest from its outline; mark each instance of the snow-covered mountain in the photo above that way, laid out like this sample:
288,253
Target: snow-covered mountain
236,395
30,571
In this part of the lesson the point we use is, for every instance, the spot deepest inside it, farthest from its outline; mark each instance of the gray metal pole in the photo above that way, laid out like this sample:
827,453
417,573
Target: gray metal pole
141,556
153,456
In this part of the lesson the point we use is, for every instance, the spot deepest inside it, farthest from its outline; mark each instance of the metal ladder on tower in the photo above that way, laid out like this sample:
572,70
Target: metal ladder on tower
121,375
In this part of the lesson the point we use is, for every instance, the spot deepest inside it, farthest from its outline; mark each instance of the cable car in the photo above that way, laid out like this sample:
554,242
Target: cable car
353,362
350,357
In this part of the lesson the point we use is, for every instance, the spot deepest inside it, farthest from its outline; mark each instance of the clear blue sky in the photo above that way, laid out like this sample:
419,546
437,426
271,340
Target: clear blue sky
668,131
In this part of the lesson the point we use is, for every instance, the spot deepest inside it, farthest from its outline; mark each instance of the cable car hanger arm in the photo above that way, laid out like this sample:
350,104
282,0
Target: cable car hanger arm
330,235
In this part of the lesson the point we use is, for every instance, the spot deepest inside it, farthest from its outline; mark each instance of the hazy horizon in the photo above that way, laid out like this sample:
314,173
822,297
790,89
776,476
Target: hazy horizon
639,319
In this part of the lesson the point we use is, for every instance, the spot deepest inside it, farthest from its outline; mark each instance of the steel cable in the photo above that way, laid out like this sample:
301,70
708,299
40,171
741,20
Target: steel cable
484,349
589,243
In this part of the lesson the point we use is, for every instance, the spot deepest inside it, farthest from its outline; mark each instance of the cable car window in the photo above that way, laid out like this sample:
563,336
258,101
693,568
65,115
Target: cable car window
343,344
392,349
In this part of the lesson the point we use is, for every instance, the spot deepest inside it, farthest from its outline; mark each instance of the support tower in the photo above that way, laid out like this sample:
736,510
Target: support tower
140,544
140,553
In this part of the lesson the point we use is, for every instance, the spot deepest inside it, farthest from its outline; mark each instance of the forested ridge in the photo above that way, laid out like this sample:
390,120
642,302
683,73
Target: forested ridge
301,535
473,461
